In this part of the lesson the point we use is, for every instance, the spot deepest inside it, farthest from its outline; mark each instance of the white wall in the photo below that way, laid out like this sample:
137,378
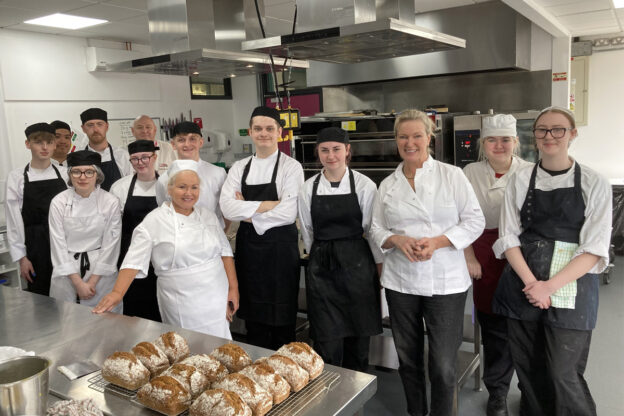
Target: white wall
600,144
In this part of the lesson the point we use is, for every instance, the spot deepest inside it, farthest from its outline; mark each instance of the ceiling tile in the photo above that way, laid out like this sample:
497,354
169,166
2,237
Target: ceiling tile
580,7
599,30
38,29
12,16
46,7
429,5
114,31
106,12
551,3
130,4
605,18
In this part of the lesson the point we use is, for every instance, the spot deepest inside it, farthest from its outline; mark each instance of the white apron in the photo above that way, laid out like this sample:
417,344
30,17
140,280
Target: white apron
84,234
194,297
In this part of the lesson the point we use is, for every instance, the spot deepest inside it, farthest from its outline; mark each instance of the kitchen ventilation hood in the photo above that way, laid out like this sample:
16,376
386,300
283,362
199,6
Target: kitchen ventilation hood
353,31
202,37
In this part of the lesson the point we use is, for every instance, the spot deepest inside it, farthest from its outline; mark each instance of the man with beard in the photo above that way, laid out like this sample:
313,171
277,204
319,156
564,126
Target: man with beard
63,135
144,128
115,160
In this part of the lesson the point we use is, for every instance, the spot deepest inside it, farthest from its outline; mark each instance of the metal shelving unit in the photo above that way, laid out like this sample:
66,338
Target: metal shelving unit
9,271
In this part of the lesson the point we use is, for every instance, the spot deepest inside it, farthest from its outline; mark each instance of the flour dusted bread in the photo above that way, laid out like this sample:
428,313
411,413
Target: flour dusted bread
166,395
269,380
190,377
152,357
257,398
233,357
125,370
208,366
305,356
219,402
296,376
174,346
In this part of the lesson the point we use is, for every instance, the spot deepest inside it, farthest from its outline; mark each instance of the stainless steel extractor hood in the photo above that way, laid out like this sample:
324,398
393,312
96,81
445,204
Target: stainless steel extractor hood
201,37
353,31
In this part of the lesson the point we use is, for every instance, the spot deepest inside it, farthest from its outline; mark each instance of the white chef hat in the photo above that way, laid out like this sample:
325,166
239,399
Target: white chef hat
499,125
180,165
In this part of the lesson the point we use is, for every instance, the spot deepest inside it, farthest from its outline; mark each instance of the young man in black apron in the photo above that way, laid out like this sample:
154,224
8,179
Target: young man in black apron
115,160
28,195
261,192
137,195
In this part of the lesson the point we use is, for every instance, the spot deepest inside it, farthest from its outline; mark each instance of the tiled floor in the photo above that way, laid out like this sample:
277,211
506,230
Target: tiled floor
605,369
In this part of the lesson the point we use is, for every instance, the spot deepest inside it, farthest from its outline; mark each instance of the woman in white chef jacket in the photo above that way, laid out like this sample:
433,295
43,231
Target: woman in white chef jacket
196,287
425,215
489,177
555,229
85,229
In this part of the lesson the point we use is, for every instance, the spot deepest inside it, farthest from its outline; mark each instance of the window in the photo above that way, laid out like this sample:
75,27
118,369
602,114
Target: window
210,89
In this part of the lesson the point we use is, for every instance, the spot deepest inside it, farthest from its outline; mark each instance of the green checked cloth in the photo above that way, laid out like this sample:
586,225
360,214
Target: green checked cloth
565,297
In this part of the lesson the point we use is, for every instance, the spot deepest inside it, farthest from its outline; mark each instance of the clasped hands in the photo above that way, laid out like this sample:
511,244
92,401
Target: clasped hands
538,293
415,250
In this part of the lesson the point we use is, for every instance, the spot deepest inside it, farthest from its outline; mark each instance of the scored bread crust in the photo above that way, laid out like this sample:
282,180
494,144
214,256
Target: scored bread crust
305,356
233,357
219,402
125,370
166,395
207,365
174,346
258,399
296,376
190,377
152,357
269,380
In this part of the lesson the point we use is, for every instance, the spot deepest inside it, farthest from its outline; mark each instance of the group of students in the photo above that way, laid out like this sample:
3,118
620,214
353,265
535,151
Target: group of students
531,237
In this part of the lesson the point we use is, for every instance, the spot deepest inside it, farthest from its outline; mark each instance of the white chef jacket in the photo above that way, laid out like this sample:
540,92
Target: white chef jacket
211,180
121,187
153,240
70,203
443,202
366,191
122,158
13,204
166,156
288,182
59,165
489,189
595,234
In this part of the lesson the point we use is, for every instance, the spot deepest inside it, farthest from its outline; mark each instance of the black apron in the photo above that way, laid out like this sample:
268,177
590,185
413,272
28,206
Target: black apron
35,209
110,169
549,216
140,299
267,266
342,287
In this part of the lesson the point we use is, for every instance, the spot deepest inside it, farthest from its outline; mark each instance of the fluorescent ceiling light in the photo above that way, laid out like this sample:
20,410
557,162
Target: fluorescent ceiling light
65,21
618,4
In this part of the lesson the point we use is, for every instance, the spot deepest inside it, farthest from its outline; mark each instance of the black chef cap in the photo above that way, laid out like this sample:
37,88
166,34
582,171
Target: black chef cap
267,112
332,134
34,128
58,124
84,158
138,146
186,127
93,114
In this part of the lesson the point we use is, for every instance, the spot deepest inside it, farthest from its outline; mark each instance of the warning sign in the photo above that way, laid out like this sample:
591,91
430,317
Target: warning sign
560,76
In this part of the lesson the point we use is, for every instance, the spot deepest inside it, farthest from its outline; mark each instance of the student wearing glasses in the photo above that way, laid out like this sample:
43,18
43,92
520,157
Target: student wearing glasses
555,228
137,197
85,230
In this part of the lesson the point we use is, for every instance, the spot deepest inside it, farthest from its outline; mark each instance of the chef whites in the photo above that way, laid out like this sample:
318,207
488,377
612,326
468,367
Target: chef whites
84,236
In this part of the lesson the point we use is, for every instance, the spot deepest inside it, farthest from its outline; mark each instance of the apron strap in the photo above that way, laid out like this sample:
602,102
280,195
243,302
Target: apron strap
26,173
248,165
351,181
316,183
84,262
525,211
275,167
131,189
58,174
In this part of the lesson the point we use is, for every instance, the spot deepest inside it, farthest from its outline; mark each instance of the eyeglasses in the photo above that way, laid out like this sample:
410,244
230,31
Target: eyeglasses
89,173
143,159
556,132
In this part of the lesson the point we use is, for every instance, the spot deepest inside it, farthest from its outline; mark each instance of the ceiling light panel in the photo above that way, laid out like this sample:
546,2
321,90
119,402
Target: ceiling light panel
65,21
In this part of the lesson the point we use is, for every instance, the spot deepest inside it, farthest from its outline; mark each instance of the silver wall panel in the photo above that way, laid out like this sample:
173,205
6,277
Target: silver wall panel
322,14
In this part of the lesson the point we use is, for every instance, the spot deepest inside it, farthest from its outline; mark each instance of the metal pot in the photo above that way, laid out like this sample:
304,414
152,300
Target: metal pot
24,386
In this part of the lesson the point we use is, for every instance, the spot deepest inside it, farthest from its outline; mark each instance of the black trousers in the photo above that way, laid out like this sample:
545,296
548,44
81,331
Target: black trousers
497,364
268,336
348,352
550,363
443,316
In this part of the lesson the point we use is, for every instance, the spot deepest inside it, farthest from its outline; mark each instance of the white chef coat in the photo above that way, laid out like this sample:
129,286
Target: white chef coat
121,187
595,234
443,202
166,156
13,204
288,183
122,158
100,211
211,180
57,164
366,191
489,189
186,254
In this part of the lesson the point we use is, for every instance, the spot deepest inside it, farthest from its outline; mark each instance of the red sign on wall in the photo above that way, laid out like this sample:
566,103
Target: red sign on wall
198,121
560,76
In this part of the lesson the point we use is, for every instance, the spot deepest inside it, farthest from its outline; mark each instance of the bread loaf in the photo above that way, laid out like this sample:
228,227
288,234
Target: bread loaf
190,377
233,357
174,346
166,395
152,357
258,399
269,380
296,376
125,370
212,369
305,356
219,402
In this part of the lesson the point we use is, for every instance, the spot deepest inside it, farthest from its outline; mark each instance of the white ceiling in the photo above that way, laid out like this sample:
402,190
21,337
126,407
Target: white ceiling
128,18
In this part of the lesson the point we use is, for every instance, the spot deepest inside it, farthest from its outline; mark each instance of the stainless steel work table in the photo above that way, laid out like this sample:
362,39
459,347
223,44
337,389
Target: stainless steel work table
67,332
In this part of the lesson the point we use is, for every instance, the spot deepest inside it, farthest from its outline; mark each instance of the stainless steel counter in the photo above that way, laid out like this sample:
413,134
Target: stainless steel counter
66,333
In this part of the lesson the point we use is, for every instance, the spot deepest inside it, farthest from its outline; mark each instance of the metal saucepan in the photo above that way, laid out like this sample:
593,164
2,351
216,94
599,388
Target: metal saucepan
24,386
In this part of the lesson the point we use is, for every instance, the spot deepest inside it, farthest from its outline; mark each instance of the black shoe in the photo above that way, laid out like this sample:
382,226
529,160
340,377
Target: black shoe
497,406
